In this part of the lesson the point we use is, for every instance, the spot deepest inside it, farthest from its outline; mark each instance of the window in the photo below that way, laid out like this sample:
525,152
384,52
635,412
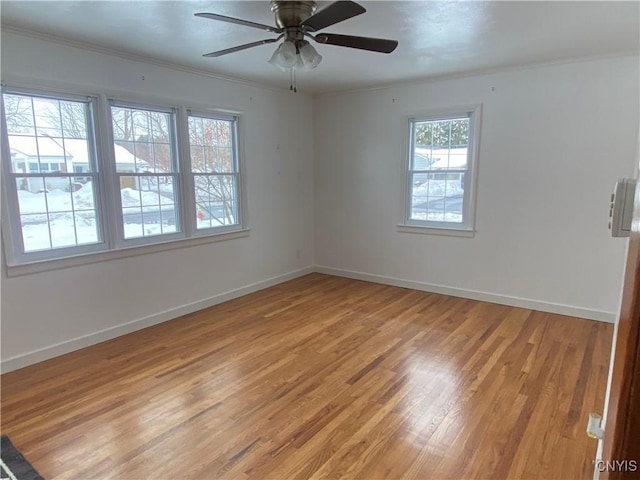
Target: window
50,210
73,188
441,170
214,170
146,168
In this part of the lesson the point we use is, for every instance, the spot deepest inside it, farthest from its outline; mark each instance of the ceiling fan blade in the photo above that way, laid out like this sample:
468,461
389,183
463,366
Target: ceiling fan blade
334,13
247,23
219,53
363,43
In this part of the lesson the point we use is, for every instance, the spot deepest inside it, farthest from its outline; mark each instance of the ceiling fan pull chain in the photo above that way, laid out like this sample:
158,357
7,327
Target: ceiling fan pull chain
292,80
293,71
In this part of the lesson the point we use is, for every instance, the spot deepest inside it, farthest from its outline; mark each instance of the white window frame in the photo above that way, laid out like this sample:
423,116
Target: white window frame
12,232
108,201
238,173
467,227
176,160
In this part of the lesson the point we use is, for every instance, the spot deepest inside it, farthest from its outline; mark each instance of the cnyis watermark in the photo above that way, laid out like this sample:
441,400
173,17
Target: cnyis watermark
616,465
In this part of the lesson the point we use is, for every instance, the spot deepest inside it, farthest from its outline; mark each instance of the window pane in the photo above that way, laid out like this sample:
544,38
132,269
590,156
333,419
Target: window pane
196,131
441,144
149,205
58,154
35,233
122,124
440,158
160,156
48,116
211,142
49,135
18,111
439,165
448,133
213,161
216,200
435,209
143,146
47,122
453,209
126,160
141,121
439,199
55,212
142,140
86,220
457,158
422,159
59,194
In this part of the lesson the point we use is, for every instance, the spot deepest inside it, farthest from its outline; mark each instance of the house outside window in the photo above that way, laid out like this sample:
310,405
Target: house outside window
441,171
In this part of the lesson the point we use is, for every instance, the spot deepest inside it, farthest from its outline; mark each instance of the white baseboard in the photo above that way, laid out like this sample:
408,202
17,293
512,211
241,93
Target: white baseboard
602,316
46,353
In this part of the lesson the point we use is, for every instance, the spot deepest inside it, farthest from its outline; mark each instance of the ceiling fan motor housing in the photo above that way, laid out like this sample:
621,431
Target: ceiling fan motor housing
289,16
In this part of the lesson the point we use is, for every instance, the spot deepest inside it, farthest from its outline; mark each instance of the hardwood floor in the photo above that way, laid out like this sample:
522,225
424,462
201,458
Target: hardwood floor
321,377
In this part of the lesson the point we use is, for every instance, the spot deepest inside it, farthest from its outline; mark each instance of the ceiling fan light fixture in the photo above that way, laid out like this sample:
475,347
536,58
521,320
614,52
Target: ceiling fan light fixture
286,55
309,56
274,59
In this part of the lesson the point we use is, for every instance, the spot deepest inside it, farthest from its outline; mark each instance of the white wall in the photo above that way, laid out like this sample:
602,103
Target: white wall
40,311
554,140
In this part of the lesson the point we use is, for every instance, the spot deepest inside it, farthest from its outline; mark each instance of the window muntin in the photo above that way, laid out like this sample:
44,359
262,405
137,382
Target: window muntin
46,137
214,169
146,167
440,168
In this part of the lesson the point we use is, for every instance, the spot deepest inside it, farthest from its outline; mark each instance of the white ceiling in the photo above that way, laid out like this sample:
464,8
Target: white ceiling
435,38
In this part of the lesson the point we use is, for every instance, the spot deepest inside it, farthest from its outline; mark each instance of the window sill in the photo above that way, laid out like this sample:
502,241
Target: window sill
450,232
85,259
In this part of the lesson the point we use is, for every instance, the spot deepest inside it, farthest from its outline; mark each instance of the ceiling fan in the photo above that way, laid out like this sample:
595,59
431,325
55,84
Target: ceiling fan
297,21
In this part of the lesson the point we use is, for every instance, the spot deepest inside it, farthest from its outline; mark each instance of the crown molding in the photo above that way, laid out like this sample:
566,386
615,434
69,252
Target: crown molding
482,72
92,47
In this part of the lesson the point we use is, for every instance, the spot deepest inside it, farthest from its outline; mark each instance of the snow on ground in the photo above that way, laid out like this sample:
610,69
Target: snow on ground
57,218
437,201
71,217
136,198
437,188
451,217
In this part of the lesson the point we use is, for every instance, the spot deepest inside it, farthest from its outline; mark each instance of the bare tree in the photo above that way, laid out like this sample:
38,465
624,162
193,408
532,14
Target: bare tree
18,112
145,134
66,119
121,121
44,117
